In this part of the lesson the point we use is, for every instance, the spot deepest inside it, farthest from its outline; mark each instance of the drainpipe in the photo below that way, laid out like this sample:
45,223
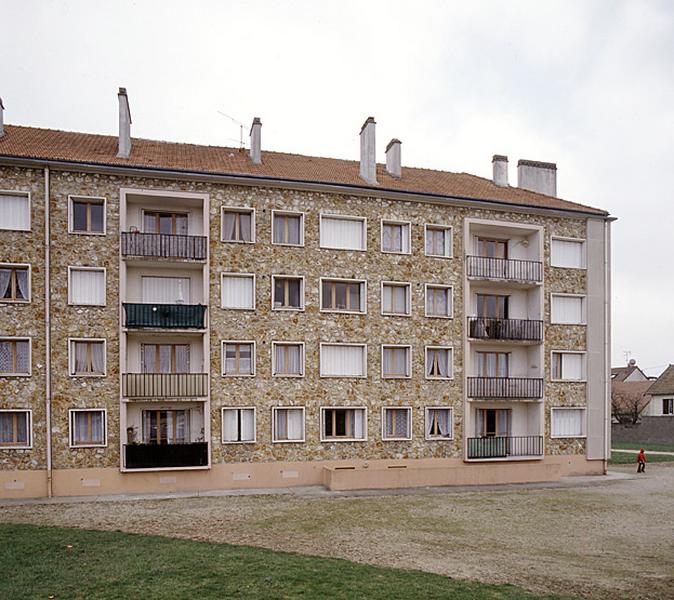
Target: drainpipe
47,335
607,341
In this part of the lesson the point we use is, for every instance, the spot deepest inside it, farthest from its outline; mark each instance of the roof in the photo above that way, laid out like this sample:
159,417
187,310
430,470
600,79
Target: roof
625,394
93,149
664,384
622,373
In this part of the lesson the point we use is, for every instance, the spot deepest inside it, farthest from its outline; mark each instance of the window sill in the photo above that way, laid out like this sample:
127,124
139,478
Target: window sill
336,440
233,443
93,233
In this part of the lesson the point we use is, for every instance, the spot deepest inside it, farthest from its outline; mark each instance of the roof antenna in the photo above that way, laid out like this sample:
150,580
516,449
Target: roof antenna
241,126
627,354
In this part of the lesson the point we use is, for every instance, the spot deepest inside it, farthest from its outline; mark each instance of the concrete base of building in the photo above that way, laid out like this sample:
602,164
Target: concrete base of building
335,475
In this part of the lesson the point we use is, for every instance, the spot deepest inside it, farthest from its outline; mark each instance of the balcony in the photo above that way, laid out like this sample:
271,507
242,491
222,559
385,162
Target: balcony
164,385
507,269
505,446
165,316
524,330
505,388
162,245
163,456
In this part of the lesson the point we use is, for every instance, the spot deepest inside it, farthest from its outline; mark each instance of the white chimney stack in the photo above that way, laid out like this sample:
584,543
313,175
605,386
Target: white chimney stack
368,160
124,124
537,176
256,141
500,165
2,125
393,167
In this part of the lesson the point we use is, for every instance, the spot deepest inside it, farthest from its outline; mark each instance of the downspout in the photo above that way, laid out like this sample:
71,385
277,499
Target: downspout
47,318
607,341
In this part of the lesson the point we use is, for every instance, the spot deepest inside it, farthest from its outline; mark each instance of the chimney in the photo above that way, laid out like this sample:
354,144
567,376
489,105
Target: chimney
2,126
124,125
393,158
256,141
368,160
500,165
537,176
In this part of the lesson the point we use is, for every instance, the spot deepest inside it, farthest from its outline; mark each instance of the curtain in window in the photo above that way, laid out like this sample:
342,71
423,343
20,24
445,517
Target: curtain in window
22,284
437,363
567,253
395,361
437,301
5,278
342,233
6,354
342,361
81,360
395,299
436,241
294,424
7,428
166,290
81,427
438,417
392,238
397,423
237,292
22,356
247,424
567,309
149,358
503,422
288,359
572,366
229,226
14,212
567,422
182,358
479,422
97,427
230,425
287,229
87,286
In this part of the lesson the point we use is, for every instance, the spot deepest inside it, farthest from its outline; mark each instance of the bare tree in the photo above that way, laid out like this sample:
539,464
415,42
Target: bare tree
627,405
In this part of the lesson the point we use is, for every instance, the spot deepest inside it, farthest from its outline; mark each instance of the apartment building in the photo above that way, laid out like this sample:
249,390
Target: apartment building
180,317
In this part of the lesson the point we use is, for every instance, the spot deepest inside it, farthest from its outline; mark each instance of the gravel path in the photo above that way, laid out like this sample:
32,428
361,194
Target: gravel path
607,541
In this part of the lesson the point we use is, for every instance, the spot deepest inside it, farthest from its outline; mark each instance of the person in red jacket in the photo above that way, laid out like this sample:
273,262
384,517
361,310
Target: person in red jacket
641,461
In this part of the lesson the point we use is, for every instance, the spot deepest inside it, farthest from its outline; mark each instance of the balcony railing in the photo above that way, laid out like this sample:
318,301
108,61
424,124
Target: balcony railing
484,328
162,456
505,388
164,385
486,267
165,316
505,446
163,245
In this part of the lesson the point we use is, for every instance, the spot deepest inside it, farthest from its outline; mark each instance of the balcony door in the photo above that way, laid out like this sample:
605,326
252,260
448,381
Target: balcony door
165,426
492,364
490,248
165,358
492,306
492,422
166,290
165,222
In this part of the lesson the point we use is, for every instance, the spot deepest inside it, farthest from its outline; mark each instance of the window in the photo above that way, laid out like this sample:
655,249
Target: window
86,286
568,422
288,293
238,359
343,360
15,211
87,428
439,301
493,422
170,223
568,366
492,306
238,425
567,309
395,362
396,423
343,424
14,356
343,233
438,241
395,237
165,358
395,298
14,283
287,228
238,291
87,358
439,423
490,248
238,225
343,295
287,359
288,424
439,362
87,215
492,364
166,426
668,406
567,253
166,290
15,428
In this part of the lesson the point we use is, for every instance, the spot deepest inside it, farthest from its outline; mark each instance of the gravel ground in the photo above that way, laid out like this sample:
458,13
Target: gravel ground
603,541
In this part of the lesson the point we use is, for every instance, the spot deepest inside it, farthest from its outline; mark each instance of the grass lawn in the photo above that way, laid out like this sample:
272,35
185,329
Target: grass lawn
60,563
645,445
627,458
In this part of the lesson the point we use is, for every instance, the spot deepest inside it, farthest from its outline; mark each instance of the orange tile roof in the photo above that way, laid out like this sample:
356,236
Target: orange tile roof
86,148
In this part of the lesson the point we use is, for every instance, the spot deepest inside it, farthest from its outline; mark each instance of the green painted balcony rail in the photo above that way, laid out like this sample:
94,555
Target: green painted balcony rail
165,316
163,456
505,446
163,245
505,388
164,385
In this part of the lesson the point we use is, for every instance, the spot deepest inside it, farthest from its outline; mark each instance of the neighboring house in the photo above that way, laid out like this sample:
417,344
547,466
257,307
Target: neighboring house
182,317
631,372
662,395
629,399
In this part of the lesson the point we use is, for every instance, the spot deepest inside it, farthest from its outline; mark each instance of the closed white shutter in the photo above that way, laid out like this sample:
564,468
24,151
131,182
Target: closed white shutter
87,286
295,423
237,291
567,309
14,212
572,366
166,290
247,424
230,425
359,424
342,233
342,361
567,253
568,422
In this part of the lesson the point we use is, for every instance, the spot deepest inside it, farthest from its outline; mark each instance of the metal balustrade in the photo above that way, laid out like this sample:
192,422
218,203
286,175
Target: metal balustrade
164,385
505,446
512,269
158,456
484,328
163,245
165,316
505,388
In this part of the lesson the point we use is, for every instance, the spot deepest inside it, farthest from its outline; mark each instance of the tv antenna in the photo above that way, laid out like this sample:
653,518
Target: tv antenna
241,126
627,354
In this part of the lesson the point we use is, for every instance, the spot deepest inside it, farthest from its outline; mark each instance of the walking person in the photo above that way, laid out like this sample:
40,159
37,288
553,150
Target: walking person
641,461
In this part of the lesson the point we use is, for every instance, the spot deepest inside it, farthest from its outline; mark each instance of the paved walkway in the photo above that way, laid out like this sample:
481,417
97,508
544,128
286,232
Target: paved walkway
659,452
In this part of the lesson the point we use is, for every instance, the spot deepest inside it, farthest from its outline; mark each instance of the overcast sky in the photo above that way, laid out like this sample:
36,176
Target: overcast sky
588,85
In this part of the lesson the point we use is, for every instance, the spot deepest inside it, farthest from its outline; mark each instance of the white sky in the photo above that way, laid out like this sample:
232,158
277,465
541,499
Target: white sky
588,85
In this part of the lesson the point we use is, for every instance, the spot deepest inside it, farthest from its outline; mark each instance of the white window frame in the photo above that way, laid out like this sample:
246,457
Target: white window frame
71,219
569,437
273,359
71,357
72,268
409,361
30,282
450,365
583,309
239,209
21,338
322,216
274,277
325,439
570,239
395,222
222,289
223,358
274,409
29,426
289,213
450,241
450,289
71,423
322,375
343,280
222,425
583,365
431,438
28,197
384,438
408,286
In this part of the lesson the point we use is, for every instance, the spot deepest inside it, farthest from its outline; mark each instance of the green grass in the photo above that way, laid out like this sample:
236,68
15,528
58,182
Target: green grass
627,458
645,445
60,563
